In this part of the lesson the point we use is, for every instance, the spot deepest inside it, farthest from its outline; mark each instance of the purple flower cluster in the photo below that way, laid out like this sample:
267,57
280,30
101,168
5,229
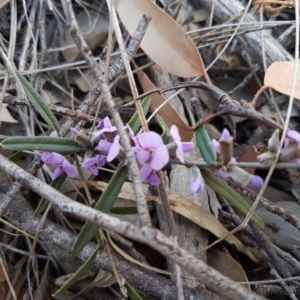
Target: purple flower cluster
151,154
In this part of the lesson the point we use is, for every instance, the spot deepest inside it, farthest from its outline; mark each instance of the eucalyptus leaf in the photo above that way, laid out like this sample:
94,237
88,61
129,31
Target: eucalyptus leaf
104,204
135,122
42,143
37,101
222,188
77,275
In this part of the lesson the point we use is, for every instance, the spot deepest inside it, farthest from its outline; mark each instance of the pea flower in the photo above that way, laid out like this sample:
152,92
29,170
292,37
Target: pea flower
61,163
152,153
196,182
93,163
181,146
224,150
112,149
106,126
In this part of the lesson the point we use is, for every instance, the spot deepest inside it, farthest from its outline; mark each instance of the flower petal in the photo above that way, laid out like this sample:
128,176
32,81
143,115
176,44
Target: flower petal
215,144
52,158
175,133
179,152
188,146
293,135
225,136
143,155
114,149
153,179
197,185
57,172
69,169
104,146
150,140
74,132
255,181
145,171
160,158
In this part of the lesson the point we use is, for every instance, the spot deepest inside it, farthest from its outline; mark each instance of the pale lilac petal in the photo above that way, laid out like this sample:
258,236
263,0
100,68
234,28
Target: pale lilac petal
90,162
297,160
160,158
52,158
145,171
94,170
197,185
225,136
53,134
175,133
153,179
215,144
104,146
114,149
143,155
100,132
69,169
74,132
106,122
255,181
293,135
222,173
179,153
188,146
150,140
57,172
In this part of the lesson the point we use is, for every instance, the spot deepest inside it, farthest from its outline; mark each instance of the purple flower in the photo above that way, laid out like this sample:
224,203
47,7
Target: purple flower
112,149
181,146
197,185
106,126
152,153
225,136
74,132
292,136
61,163
93,163
255,181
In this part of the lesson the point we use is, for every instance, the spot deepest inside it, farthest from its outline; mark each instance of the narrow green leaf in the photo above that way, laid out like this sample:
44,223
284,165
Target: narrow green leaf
222,188
42,143
166,135
132,293
77,275
38,102
205,146
135,122
104,204
57,183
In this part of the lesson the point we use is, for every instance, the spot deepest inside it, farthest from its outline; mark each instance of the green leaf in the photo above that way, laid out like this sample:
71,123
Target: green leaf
222,188
77,275
42,143
104,204
135,122
166,135
132,293
205,146
38,102
57,183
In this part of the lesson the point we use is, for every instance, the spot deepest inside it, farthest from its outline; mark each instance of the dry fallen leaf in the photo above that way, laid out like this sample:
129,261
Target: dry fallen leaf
5,115
279,76
191,211
226,265
165,42
167,112
249,155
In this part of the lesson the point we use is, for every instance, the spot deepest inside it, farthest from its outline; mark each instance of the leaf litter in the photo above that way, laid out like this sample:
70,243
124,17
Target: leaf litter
167,45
